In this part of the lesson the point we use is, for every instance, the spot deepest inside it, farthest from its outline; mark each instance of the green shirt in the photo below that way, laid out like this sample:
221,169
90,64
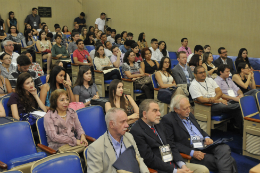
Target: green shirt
56,50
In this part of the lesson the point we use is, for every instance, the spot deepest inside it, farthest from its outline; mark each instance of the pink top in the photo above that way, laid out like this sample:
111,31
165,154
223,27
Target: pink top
183,49
59,131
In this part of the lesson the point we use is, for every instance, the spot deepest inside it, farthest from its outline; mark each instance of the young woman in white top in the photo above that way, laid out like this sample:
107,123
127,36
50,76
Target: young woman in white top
207,64
44,46
162,47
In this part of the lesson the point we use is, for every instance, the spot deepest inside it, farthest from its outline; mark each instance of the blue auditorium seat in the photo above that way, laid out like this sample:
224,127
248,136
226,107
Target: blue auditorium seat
172,55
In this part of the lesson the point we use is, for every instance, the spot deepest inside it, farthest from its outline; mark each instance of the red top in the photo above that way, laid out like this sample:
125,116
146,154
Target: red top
81,55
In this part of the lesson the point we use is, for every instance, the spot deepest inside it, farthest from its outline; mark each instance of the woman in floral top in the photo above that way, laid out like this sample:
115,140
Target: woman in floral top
34,65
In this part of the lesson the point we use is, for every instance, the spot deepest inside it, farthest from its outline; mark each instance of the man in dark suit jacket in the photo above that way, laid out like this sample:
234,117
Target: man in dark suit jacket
181,125
181,72
223,59
150,135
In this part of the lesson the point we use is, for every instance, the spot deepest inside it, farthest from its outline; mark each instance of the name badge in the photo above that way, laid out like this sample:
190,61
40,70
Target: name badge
86,61
166,153
197,142
34,24
87,100
231,93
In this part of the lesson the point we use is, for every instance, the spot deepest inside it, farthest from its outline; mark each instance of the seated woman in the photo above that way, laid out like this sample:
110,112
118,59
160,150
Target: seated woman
163,49
242,57
141,41
2,110
5,86
117,41
29,27
65,30
61,117
131,70
25,98
29,42
63,39
89,39
123,37
91,29
244,78
56,81
6,67
58,50
103,63
84,89
16,37
148,66
120,100
195,61
84,32
209,66
95,32
98,36
12,21
44,46
34,65
45,28
135,49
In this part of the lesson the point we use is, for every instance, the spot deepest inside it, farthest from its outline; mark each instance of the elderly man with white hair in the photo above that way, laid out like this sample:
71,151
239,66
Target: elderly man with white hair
9,49
108,148
185,132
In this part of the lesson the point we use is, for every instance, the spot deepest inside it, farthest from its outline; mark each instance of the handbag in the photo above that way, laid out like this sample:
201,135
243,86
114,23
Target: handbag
184,88
46,51
101,102
165,94
76,105
143,80
31,118
68,148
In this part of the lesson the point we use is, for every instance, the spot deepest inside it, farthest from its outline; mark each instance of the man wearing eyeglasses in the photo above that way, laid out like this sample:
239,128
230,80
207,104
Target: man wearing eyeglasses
223,59
9,49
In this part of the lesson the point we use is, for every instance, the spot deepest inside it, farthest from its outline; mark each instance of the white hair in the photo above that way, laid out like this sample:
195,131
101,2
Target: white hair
111,115
175,102
5,42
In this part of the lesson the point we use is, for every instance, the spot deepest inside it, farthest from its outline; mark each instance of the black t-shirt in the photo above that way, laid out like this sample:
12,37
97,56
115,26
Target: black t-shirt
76,30
87,42
80,21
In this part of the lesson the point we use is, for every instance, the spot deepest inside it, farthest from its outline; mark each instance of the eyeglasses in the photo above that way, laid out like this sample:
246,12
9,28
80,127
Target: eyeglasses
10,45
224,52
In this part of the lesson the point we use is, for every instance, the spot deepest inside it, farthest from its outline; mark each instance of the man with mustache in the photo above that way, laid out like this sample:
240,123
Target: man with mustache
153,145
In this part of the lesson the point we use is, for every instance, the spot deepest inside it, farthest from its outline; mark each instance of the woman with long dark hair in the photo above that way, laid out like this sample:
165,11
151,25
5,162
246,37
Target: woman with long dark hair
16,37
208,65
28,41
242,57
29,27
141,41
89,39
120,100
148,65
91,29
195,61
56,81
65,30
84,89
12,21
163,49
84,32
135,49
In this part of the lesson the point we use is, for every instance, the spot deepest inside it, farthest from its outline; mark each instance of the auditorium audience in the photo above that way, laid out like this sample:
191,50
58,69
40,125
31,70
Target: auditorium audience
184,47
5,86
12,21
2,24
100,22
44,46
6,66
127,46
76,28
117,57
84,32
34,66
195,61
156,54
198,50
120,100
59,117
130,36
242,57
131,70
29,27
23,64
123,37
14,35
84,88
208,65
73,46
223,59
117,40
56,81
81,21
81,56
33,19
155,148
135,49
163,49
181,127
9,49
91,29
207,48
58,50
111,38
148,65
89,39
115,141
65,30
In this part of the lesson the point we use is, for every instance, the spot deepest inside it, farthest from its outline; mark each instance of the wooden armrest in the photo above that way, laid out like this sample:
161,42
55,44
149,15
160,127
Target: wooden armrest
74,64
185,156
156,89
3,165
152,170
98,71
46,149
55,58
89,138
205,104
252,119
257,86
128,80
256,70
38,52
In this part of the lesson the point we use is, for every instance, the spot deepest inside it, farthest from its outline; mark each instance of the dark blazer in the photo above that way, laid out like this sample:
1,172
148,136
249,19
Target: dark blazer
218,62
179,75
148,145
177,133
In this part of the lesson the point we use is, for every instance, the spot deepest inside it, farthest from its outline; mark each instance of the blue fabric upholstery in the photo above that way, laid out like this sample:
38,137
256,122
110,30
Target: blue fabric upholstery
18,141
43,79
71,57
174,62
172,55
67,36
64,164
90,48
257,77
155,84
220,117
92,120
248,105
44,60
107,81
5,99
25,159
138,91
41,131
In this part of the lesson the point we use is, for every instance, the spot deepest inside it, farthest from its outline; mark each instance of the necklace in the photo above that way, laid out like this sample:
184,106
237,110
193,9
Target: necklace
63,116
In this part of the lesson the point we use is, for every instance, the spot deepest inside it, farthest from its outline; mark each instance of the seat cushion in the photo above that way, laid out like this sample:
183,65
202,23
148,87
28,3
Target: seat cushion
107,81
44,60
25,159
138,91
220,117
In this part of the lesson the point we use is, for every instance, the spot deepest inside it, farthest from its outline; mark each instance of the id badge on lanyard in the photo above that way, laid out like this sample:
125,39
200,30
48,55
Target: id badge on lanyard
85,59
166,153
197,142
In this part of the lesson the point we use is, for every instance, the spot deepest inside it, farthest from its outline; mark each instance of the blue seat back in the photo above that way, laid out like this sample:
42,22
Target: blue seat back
257,77
43,79
155,84
35,38
4,101
248,105
121,72
174,62
22,43
172,55
36,49
13,172
90,48
92,120
67,36
64,164
41,131
17,140
71,57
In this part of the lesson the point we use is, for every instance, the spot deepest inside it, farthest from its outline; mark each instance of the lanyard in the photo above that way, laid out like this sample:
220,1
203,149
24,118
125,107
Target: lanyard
113,146
203,86
227,83
84,57
157,134
3,85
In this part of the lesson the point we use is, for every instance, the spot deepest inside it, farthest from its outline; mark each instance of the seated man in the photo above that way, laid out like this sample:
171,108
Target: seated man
198,50
23,64
182,126
81,56
108,31
153,145
182,73
58,50
9,49
107,49
72,46
103,38
184,47
223,59
76,28
127,46
156,54
206,90
107,148
117,57
111,38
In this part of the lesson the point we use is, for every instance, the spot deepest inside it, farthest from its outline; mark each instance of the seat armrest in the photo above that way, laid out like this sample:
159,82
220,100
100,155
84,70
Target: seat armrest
55,58
156,89
152,170
185,156
98,71
46,149
3,165
257,86
205,104
89,138
38,52
128,80
74,64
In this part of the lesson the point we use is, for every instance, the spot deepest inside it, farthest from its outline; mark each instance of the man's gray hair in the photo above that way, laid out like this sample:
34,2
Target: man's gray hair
145,106
175,102
111,115
5,42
